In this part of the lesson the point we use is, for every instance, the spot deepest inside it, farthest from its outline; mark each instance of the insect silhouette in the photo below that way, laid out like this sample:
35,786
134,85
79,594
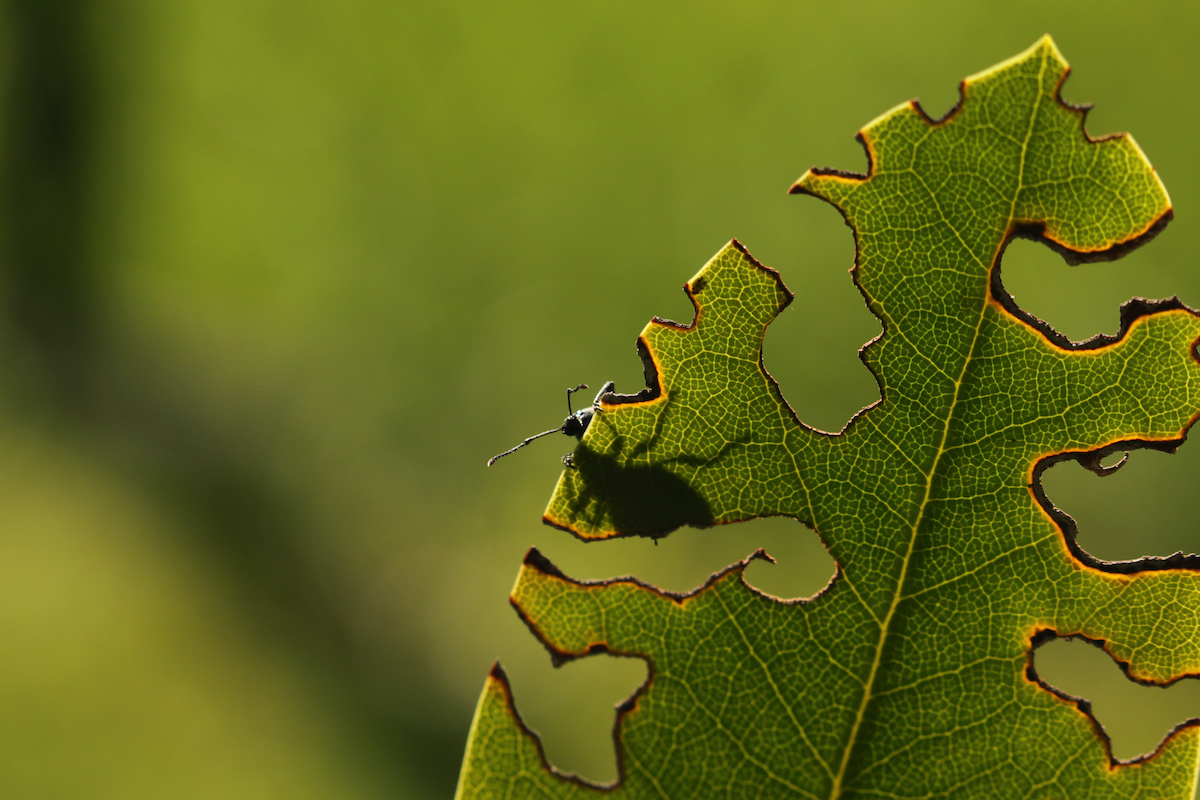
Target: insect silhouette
574,425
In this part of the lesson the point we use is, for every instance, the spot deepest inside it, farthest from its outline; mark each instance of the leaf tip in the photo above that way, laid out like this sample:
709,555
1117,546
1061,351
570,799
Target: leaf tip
1044,47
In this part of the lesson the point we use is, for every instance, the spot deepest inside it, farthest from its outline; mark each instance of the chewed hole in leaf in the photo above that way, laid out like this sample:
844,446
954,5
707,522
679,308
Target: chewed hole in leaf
573,708
686,558
802,565
1136,717
1081,301
1146,508
811,349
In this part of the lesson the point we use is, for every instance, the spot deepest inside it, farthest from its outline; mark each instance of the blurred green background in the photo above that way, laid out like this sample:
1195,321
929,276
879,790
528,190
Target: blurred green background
278,277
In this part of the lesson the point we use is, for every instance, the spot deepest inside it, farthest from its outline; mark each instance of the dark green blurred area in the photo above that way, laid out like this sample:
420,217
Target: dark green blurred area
277,278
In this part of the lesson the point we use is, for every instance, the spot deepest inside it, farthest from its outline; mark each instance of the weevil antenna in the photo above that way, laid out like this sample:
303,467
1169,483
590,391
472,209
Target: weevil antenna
569,393
495,458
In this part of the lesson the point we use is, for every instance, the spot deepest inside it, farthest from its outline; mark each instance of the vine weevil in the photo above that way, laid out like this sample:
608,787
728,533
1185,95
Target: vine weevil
574,425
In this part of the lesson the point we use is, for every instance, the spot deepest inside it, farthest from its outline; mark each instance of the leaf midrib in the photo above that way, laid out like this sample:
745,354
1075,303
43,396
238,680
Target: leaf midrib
836,788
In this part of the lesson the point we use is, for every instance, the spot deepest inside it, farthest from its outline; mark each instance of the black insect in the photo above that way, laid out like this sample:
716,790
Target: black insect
574,425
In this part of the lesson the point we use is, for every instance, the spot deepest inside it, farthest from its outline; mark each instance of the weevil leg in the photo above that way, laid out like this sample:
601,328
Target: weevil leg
568,461
611,386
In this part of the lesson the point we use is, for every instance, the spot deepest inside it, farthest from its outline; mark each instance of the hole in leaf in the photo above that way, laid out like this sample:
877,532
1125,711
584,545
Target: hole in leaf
811,349
1147,507
573,709
1136,717
802,565
1083,300
685,559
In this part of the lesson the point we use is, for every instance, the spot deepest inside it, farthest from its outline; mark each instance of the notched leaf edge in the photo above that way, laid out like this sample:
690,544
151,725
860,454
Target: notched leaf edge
536,560
498,675
1130,311
653,391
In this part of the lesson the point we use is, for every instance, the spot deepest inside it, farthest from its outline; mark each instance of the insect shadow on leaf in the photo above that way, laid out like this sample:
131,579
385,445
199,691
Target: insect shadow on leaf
640,500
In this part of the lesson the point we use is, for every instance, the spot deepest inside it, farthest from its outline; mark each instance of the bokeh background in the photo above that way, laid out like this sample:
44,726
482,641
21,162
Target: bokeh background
276,278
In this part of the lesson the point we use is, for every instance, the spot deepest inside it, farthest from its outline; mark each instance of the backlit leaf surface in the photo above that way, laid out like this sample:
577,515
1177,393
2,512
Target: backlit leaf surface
910,674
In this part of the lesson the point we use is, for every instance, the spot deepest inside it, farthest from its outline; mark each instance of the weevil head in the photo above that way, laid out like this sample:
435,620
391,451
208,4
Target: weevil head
577,423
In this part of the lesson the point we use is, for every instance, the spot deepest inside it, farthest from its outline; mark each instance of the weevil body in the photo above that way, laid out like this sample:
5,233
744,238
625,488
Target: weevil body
574,425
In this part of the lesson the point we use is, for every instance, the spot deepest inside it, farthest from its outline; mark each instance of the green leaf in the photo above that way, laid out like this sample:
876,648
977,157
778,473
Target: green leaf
910,674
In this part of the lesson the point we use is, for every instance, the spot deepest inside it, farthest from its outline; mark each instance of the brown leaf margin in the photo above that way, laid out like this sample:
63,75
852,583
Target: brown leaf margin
1130,312
654,391
1043,635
